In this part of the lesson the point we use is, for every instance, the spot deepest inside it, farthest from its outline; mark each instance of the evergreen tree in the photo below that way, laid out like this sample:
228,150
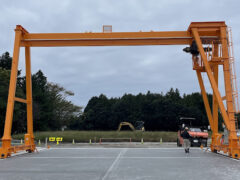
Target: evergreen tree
51,109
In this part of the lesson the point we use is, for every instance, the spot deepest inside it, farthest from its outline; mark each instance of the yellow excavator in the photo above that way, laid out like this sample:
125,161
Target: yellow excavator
139,126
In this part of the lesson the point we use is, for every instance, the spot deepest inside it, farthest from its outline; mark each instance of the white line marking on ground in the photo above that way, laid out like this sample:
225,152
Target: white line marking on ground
19,153
39,149
24,152
220,154
114,163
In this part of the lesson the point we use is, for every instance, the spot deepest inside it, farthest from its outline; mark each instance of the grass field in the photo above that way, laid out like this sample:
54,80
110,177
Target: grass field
84,136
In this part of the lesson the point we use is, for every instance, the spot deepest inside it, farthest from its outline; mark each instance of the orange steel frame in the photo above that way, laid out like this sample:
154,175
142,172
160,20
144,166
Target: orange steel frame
202,32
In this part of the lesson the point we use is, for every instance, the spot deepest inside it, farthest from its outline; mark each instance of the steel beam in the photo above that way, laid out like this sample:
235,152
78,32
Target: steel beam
214,100
113,35
29,94
205,98
20,100
106,42
227,83
211,77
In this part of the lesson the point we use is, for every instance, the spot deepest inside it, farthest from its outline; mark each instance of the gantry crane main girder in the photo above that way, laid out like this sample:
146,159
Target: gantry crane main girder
203,33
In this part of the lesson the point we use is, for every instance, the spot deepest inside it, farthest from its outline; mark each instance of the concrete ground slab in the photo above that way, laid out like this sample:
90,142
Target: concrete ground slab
119,163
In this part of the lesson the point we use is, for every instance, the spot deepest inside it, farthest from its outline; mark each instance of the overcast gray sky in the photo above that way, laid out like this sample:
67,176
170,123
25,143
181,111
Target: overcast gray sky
90,71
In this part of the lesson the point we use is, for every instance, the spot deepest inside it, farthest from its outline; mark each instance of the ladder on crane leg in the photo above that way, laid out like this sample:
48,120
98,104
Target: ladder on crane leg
233,75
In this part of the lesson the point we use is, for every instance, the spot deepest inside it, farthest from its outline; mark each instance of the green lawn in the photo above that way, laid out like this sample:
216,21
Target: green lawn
84,136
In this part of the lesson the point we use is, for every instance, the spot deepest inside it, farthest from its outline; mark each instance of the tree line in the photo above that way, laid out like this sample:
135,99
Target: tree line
52,110
159,112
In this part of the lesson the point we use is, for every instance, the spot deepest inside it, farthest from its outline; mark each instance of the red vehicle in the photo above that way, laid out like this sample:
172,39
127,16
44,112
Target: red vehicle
199,136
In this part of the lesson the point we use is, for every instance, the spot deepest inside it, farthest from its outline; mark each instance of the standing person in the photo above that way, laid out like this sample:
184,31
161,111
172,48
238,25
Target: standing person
186,142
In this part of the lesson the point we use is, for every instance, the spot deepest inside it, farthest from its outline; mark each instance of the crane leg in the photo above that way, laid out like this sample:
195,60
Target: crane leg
6,139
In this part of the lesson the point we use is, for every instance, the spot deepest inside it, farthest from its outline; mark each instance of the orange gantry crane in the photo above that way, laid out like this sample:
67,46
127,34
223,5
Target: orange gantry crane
210,46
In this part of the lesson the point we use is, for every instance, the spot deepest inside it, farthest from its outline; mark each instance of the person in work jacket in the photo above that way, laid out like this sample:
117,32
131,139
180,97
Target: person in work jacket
186,142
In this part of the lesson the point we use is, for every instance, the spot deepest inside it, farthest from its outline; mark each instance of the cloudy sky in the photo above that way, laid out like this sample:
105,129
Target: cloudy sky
90,71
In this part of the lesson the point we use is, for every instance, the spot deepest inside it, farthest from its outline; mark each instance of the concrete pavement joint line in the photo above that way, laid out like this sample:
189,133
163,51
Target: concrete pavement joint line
161,157
118,148
114,163
68,157
196,157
